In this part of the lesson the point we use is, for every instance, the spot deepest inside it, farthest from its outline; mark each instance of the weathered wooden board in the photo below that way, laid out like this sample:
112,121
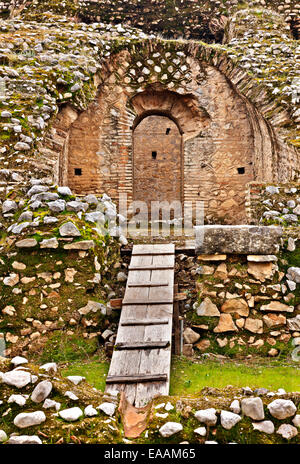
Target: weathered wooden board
150,278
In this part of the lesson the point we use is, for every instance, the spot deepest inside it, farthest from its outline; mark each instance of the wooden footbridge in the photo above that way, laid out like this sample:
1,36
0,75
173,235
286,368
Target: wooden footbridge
140,365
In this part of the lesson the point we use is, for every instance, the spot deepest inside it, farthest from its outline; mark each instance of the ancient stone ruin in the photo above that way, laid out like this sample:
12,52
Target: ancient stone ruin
106,108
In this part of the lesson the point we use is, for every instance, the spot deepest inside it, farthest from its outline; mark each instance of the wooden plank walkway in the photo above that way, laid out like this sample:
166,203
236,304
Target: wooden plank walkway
140,364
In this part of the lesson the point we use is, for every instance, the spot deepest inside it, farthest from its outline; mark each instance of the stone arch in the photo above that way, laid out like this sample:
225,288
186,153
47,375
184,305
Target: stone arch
182,109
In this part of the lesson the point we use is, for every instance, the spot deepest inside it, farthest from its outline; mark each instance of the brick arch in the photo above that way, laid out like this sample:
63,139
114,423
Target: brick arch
182,109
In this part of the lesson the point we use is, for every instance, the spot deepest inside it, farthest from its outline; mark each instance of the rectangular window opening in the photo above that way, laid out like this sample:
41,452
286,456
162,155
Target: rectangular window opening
168,131
77,171
154,155
241,170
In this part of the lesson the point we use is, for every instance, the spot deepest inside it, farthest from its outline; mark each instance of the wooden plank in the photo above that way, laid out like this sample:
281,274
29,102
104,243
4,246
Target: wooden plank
148,284
158,248
148,302
136,378
123,362
142,345
144,322
153,269
154,253
149,268
156,361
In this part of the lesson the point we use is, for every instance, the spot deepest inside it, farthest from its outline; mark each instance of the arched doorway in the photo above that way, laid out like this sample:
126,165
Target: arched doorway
157,160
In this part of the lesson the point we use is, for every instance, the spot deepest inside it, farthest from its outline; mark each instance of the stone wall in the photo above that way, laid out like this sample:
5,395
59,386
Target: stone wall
275,204
244,304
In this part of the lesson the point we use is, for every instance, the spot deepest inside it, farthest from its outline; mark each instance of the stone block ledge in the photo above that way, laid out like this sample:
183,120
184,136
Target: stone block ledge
237,239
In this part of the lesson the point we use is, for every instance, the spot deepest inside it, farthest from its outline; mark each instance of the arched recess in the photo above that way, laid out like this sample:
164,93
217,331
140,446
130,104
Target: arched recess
157,160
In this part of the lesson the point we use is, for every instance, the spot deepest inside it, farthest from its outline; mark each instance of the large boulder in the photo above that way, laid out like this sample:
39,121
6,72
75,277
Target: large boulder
282,409
240,239
254,408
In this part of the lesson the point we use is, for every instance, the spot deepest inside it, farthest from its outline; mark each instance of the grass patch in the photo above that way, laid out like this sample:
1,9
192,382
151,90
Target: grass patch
94,371
188,377
63,348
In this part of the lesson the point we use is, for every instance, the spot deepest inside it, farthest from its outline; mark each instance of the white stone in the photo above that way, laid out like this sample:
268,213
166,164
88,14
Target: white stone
296,420
49,243
293,273
235,406
264,426
51,367
18,360
281,409
75,379
28,419
51,404
41,391
169,406
69,230
207,308
71,395
229,419
287,431
25,440
107,408
170,428
90,411
64,191
207,416
254,408
71,414
200,431
3,436
20,400
11,280
17,379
